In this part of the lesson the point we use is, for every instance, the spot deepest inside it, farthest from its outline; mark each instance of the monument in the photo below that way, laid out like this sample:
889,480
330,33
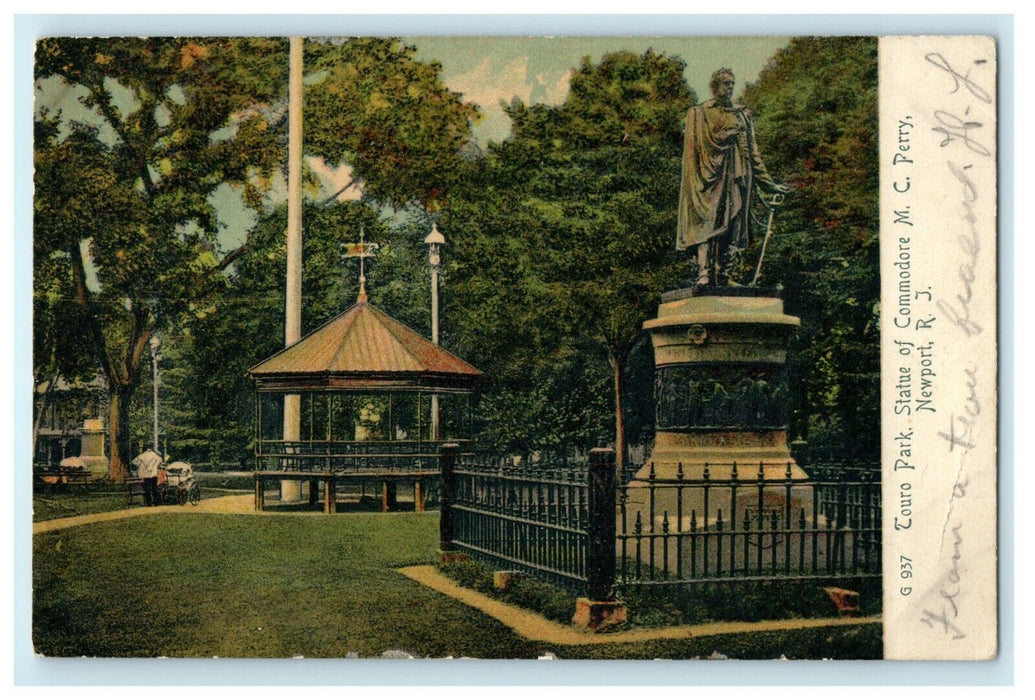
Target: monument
722,172
92,447
720,348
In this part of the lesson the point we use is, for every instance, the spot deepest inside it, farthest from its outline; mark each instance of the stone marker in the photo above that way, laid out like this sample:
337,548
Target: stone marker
501,580
847,602
599,615
92,448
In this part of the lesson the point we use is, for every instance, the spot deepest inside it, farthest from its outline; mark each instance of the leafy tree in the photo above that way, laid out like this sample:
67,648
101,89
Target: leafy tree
180,118
816,119
135,207
564,243
373,106
57,350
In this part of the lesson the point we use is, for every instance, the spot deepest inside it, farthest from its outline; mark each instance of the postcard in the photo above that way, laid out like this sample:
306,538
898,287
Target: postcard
418,347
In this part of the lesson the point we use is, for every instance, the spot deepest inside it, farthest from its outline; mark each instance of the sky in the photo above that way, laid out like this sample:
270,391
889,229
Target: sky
536,69
487,70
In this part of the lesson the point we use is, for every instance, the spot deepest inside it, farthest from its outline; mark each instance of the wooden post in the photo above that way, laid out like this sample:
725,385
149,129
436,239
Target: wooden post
258,430
259,492
446,465
388,495
418,497
314,491
330,495
600,564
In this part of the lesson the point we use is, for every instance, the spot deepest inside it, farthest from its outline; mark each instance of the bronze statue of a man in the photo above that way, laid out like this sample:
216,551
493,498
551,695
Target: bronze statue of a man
721,170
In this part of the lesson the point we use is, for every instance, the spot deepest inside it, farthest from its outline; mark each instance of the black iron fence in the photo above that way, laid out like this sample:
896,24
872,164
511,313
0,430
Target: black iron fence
750,524
573,525
547,520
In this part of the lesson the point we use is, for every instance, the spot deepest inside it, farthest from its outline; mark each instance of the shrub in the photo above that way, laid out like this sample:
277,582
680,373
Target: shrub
537,596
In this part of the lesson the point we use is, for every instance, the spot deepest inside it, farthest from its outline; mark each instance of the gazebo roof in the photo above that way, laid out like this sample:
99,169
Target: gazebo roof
364,349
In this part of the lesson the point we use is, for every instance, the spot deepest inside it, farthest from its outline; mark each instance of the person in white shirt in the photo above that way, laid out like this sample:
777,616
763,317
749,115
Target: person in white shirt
147,464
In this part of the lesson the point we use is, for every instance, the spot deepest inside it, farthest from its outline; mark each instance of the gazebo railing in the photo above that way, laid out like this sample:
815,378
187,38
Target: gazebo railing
351,456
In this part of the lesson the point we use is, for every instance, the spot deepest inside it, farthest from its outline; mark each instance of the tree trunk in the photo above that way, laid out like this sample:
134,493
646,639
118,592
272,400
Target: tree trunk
44,404
118,432
620,446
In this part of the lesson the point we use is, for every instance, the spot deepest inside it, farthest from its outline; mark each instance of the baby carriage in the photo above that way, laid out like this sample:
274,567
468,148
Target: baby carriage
179,484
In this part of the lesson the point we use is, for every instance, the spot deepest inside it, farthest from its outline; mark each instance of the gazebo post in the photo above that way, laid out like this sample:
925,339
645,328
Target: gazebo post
330,404
330,495
258,429
314,483
420,429
418,496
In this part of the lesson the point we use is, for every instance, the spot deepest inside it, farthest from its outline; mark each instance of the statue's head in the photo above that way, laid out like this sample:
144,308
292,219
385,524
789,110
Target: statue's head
721,83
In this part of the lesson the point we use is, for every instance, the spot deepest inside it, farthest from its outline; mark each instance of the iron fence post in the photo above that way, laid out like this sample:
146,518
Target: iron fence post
447,494
600,567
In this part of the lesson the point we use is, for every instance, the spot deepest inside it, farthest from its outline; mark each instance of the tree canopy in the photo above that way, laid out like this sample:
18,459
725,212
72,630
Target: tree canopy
560,238
816,119
373,106
563,244
128,199
134,208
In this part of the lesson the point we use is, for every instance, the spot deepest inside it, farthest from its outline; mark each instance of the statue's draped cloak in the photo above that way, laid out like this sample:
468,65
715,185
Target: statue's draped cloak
719,174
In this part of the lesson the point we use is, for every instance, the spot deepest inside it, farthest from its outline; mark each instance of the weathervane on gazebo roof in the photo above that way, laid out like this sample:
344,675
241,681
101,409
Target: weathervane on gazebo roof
361,250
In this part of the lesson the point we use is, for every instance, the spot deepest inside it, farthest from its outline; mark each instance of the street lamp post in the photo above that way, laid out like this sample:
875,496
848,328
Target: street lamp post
155,344
434,241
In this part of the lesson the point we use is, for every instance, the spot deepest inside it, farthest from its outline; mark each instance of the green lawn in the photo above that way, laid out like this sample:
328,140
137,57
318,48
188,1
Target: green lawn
50,506
102,496
202,585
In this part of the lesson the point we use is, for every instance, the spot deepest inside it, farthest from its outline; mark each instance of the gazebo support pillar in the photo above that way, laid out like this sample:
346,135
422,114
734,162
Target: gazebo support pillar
291,491
418,496
389,496
330,495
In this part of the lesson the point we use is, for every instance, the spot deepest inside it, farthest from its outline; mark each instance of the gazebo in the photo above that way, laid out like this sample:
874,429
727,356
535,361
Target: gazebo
377,400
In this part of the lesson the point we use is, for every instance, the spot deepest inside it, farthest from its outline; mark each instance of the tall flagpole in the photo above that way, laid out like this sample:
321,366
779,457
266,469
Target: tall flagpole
292,490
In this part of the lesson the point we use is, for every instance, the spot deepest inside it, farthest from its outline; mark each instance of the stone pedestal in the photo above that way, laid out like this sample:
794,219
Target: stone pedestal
599,615
92,448
450,556
720,399
501,580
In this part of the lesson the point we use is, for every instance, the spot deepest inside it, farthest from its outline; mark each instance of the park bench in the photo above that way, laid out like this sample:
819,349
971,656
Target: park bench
61,478
134,487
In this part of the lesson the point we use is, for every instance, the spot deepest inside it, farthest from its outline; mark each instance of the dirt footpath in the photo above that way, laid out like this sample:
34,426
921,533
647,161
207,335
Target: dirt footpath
537,628
242,503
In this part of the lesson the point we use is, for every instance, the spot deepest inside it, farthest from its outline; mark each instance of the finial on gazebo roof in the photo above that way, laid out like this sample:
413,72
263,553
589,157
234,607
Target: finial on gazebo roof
361,250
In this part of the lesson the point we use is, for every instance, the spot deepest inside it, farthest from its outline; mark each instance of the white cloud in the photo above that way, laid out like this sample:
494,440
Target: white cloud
333,179
487,87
